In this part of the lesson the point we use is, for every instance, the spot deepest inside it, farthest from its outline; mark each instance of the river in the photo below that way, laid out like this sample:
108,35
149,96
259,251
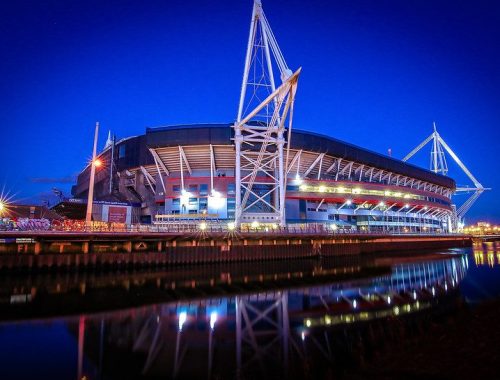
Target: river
336,318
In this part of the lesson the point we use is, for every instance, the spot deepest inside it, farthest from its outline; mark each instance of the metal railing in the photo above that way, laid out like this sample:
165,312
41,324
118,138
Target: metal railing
222,228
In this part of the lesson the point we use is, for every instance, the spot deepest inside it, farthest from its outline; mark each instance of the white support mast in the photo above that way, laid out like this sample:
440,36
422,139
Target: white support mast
440,166
260,127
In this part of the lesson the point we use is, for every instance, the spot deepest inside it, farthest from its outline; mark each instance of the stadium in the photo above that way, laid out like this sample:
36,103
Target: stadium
257,172
187,172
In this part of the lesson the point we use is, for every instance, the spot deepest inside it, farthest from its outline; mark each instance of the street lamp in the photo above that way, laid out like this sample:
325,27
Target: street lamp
94,163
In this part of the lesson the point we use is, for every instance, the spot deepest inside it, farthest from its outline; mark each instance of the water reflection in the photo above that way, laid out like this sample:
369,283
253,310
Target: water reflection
306,332
487,253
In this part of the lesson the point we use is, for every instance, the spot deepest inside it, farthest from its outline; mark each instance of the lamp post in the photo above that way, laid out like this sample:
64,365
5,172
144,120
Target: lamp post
90,200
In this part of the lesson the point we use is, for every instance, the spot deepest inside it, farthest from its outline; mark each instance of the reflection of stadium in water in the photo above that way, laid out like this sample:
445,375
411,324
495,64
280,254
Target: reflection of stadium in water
273,333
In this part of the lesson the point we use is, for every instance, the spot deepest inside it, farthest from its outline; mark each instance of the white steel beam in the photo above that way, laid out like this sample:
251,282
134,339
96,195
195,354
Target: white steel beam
295,160
361,205
151,181
260,133
335,162
320,203
213,168
315,162
420,146
183,158
160,175
159,161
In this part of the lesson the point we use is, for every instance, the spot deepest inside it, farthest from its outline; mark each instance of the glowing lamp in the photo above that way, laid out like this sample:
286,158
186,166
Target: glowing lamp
231,226
203,226
97,163
348,202
185,197
215,200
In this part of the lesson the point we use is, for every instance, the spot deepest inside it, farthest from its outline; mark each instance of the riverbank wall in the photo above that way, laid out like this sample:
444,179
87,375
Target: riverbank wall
49,250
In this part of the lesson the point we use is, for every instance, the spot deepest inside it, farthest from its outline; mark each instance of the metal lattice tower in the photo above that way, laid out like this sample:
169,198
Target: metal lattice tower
264,115
438,165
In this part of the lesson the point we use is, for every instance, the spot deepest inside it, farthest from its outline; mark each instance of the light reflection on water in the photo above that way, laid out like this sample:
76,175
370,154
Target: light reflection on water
295,331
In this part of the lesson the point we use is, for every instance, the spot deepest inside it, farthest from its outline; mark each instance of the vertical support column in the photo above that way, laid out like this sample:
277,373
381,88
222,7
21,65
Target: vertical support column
211,169
90,199
238,138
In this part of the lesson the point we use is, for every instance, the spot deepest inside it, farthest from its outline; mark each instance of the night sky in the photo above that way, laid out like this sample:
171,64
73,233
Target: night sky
375,73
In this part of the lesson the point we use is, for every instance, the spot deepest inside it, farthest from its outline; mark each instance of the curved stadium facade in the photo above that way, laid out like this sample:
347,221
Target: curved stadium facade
186,173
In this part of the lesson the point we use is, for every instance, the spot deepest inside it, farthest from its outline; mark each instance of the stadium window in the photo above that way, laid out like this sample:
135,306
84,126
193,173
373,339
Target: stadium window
176,202
193,201
193,188
231,188
203,189
176,188
193,211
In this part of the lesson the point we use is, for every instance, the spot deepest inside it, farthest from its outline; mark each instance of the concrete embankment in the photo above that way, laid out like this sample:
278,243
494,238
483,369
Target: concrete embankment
48,250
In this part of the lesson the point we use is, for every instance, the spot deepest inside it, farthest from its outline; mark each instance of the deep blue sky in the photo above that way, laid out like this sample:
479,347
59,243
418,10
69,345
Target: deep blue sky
375,73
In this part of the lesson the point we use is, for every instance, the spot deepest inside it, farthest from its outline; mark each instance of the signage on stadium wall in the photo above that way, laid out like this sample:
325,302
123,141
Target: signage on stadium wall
116,214
84,201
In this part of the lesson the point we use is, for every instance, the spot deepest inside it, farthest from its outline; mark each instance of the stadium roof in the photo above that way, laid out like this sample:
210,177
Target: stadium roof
221,134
